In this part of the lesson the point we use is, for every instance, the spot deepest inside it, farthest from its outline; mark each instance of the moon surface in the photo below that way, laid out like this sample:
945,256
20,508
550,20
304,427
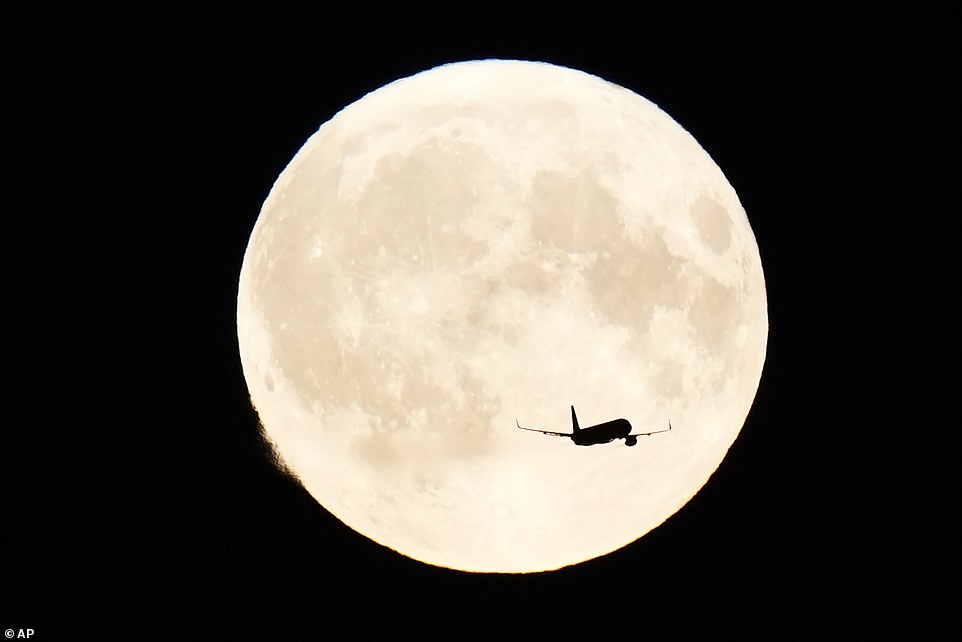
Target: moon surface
493,240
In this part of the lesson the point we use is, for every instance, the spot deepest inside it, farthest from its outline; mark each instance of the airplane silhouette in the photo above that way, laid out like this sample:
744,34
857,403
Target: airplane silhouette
598,434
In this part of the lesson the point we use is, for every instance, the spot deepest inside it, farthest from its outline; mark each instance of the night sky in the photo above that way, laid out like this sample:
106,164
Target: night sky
143,489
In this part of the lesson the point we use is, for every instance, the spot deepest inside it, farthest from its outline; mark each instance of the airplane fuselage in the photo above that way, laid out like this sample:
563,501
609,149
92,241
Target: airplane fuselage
602,433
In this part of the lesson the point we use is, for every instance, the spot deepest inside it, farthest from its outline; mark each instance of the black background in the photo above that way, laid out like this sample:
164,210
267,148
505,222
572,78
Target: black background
139,491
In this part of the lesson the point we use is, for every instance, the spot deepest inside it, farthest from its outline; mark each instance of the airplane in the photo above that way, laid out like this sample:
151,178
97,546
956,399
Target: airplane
598,434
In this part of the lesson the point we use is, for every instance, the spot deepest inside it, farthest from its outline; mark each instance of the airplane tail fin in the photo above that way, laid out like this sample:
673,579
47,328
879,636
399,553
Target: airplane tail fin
574,421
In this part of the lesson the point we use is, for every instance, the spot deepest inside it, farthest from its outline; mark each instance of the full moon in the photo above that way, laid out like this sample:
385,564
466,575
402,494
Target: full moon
486,242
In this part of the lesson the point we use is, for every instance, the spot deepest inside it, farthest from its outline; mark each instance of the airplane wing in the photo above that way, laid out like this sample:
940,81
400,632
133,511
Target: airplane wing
543,432
645,434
